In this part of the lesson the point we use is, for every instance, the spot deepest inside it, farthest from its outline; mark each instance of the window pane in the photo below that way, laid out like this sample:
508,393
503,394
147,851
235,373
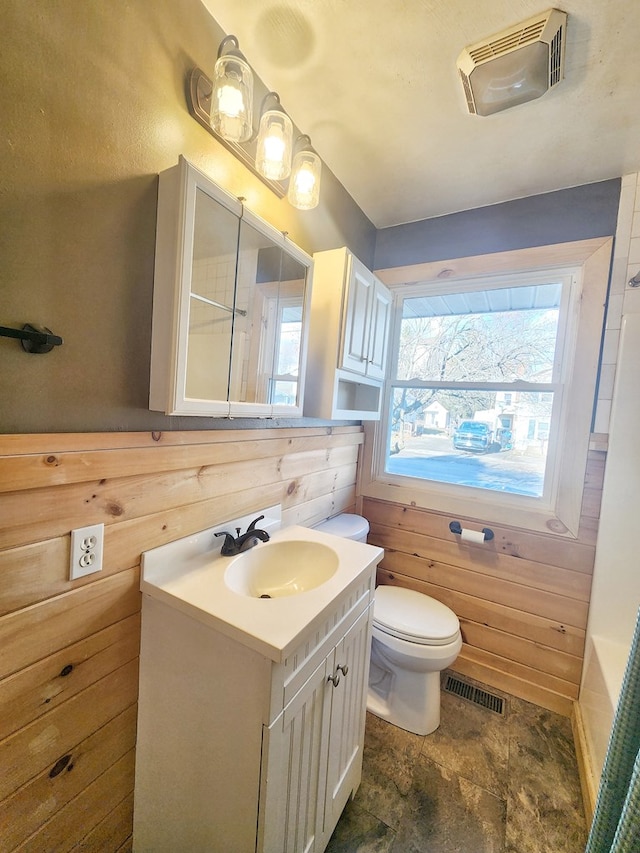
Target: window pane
283,392
485,439
288,353
499,335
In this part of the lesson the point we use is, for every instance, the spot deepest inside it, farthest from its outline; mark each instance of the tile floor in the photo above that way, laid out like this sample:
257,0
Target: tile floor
481,783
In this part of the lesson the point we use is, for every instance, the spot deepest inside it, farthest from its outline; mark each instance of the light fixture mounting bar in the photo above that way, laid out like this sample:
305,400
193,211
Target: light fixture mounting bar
199,101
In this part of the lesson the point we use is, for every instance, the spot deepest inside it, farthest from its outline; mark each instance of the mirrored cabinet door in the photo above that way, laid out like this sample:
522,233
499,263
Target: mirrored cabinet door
230,307
291,318
211,300
272,296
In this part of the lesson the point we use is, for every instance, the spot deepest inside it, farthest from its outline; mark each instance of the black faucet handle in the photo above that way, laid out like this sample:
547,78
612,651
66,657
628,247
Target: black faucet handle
223,533
228,544
252,526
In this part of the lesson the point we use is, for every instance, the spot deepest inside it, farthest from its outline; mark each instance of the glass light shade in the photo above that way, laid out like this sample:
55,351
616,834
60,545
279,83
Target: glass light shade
512,79
304,186
232,98
274,146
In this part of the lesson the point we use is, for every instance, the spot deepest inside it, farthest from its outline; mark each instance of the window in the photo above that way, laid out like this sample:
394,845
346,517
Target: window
452,416
489,402
288,332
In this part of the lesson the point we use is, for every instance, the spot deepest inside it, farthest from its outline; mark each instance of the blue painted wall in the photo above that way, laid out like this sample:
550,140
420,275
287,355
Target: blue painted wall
579,213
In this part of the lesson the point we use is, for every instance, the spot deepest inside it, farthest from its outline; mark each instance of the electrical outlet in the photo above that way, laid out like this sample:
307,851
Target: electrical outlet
87,544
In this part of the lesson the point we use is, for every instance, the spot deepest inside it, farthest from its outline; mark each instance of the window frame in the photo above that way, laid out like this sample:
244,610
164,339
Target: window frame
559,512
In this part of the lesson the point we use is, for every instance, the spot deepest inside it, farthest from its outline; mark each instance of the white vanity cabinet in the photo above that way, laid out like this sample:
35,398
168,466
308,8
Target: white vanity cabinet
238,752
230,306
312,752
348,338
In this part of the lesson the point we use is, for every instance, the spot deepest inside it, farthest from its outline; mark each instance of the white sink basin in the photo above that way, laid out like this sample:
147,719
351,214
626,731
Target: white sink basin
278,569
305,570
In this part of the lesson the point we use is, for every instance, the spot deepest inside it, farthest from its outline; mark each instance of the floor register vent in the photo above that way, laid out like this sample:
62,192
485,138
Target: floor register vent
474,694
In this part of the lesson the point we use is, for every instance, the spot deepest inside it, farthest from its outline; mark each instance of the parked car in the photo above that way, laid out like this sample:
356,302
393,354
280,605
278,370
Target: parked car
473,435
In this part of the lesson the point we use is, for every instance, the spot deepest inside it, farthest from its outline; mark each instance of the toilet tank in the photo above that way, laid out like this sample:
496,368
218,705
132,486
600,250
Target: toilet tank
347,525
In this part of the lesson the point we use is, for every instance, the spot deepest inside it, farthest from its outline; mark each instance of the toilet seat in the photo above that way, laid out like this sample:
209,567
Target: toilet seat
414,617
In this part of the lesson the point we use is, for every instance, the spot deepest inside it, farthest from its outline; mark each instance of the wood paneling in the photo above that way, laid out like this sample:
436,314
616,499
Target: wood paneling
69,649
522,598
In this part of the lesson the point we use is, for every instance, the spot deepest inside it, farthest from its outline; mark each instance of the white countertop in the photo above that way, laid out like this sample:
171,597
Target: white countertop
189,575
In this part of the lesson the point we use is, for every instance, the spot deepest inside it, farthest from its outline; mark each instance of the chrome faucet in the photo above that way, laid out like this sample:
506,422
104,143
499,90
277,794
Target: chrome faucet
233,545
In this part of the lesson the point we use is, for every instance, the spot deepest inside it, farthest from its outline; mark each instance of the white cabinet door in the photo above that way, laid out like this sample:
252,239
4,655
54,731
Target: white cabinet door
366,322
380,313
293,777
312,753
355,342
348,710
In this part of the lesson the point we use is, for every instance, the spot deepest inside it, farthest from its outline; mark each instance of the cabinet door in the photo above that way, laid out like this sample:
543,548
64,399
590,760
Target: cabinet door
195,270
268,346
293,775
379,330
346,737
355,340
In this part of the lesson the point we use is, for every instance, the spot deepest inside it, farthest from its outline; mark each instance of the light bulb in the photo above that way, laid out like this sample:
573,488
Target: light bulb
304,180
230,101
304,187
274,145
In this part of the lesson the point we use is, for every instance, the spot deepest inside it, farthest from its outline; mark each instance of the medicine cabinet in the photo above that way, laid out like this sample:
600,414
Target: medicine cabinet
230,306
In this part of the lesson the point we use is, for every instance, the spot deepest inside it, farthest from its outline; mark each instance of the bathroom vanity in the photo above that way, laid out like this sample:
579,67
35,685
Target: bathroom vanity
251,713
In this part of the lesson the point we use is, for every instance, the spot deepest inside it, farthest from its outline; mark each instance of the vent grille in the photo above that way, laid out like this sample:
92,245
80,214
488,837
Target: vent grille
474,694
555,58
471,104
508,42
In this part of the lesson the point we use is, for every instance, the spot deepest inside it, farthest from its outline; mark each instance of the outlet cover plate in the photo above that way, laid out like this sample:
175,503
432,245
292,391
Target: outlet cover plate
87,545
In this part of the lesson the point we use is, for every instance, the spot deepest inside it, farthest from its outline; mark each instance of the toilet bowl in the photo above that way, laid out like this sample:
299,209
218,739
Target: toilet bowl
414,637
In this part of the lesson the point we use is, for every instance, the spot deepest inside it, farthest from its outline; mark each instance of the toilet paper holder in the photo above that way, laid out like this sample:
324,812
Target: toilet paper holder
456,527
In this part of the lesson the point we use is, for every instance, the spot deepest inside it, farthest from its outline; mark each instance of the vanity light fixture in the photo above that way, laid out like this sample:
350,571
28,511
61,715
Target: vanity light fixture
304,185
232,96
275,141
223,106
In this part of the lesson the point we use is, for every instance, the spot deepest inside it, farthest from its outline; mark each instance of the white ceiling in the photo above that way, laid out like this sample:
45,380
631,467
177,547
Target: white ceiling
375,85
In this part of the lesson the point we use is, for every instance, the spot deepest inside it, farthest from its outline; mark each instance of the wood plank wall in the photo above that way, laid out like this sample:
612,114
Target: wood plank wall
522,599
69,650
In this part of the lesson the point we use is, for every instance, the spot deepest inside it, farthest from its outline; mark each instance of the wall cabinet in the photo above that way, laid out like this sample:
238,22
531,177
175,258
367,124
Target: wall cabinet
229,741
350,318
230,306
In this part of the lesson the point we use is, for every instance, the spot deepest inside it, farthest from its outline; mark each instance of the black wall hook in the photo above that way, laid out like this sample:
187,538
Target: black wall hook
36,339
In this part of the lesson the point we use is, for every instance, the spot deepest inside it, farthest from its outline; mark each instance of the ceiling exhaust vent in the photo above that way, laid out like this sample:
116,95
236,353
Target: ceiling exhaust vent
514,66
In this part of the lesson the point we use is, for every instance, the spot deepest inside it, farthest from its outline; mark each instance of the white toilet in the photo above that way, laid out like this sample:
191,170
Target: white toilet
414,638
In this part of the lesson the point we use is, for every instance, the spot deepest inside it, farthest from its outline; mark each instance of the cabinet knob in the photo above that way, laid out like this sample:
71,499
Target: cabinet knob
344,669
334,679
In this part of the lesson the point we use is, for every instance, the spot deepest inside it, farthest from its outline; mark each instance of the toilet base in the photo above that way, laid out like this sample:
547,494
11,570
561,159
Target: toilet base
411,703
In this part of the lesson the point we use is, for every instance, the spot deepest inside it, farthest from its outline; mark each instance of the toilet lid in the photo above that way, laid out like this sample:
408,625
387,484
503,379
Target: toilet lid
347,525
413,616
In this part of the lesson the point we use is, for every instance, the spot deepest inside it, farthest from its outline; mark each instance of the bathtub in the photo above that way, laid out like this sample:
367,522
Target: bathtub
604,666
